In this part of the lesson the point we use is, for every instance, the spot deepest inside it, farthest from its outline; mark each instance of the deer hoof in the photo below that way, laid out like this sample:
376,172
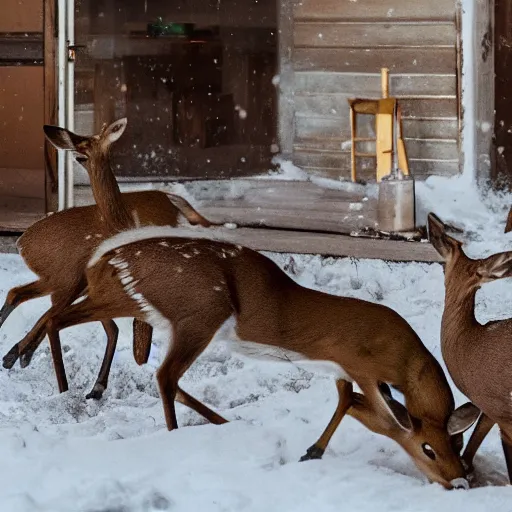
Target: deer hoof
96,393
25,358
313,452
11,357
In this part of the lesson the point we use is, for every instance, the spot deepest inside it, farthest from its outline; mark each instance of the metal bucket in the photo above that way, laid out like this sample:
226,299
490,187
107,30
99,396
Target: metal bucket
395,211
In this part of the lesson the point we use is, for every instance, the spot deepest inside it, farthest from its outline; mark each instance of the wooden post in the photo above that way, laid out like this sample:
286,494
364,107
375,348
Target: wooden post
50,102
385,82
286,121
353,129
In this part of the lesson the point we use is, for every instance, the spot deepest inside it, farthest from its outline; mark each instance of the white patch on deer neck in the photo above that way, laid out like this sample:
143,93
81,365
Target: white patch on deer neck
88,237
260,351
152,316
149,232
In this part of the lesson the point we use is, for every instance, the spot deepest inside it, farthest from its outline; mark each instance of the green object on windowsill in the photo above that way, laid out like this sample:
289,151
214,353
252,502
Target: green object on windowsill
159,28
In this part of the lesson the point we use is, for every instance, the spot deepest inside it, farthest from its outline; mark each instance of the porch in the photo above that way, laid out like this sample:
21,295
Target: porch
300,217
280,76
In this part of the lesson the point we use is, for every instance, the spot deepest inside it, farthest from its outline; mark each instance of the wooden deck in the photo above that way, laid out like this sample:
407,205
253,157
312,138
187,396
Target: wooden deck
18,213
296,217
298,205
271,215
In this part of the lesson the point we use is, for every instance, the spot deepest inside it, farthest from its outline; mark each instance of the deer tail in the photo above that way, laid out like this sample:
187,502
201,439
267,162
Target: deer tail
189,212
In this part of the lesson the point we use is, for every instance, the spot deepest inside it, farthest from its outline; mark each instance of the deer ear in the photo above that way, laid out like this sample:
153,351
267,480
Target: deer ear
463,418
496,266
400,415
66,140
114,131
397,412
444,244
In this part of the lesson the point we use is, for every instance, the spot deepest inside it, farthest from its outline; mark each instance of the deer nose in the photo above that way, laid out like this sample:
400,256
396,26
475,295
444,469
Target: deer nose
460,483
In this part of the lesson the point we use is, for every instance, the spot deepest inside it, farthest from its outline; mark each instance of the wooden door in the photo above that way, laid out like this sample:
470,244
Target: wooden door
22,175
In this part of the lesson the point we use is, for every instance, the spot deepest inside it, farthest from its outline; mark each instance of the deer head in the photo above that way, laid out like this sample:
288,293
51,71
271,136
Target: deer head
470,274
86,147
434,448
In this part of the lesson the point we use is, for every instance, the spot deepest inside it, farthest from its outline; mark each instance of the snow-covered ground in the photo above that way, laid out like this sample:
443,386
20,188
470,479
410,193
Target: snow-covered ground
63,453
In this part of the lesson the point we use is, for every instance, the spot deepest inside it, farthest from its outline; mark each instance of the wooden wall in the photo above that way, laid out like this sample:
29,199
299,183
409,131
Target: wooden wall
338,49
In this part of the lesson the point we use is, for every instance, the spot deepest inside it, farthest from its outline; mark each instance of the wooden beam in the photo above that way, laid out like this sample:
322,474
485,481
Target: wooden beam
297,242
485,80
286,84
18,49
293,218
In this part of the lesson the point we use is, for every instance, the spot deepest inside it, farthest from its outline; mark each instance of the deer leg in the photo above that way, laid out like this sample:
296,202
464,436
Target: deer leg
52,329
58,363
142,334
72,318
508,226
83,312
482,428
184,398
60,301
506,442
191,336
101,382
362,411
33,337
20,294
345,400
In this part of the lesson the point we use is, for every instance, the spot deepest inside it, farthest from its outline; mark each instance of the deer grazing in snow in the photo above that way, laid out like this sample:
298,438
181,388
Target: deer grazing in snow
192,283
58,247
476,355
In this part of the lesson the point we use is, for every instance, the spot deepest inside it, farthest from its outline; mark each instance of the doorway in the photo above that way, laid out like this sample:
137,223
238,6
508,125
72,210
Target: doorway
22,173
194,78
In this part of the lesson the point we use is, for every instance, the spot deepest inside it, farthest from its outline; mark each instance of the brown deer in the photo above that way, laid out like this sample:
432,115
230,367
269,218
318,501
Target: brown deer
192,283
476,355
58,247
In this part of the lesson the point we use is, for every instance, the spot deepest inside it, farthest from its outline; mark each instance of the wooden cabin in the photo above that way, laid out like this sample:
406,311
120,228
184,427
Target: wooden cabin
214,89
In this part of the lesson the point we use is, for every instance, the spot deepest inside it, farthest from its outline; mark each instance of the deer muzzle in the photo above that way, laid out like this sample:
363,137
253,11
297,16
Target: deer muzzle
460,483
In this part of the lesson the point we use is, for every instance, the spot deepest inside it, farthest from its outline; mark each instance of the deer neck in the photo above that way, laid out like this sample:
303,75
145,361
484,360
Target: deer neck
107,195
458,317
436,403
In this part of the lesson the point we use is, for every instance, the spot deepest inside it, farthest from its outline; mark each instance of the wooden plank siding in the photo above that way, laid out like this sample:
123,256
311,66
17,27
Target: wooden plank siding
339,47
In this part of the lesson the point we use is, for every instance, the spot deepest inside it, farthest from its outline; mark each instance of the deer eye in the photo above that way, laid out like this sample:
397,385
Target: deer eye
429,452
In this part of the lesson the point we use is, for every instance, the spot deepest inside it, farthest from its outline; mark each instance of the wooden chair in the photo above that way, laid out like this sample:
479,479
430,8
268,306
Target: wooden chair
383,109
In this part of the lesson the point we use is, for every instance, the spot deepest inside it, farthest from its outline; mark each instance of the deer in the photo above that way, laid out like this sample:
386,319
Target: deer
58,247
476,355
196,283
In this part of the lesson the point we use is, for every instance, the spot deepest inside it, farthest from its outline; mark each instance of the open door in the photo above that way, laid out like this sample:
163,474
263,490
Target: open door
22,174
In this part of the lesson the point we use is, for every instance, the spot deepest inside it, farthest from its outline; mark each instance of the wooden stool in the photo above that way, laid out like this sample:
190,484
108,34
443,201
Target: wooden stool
383,109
